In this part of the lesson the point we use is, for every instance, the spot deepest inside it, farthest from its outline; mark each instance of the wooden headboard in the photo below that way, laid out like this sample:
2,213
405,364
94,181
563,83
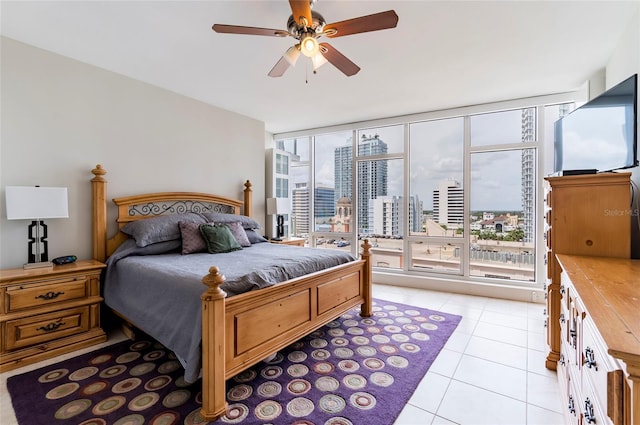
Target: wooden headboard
138,207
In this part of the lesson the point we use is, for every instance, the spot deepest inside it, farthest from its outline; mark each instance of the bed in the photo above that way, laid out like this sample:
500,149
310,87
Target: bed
240,330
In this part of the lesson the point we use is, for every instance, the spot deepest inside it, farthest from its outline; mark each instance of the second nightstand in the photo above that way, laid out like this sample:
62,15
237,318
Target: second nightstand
290,241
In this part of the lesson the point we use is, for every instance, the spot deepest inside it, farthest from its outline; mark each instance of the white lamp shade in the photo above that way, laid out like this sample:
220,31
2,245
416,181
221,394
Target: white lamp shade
318,60
278,206
33,202
292,54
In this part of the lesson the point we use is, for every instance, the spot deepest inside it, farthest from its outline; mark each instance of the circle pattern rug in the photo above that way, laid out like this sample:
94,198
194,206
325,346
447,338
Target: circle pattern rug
353,370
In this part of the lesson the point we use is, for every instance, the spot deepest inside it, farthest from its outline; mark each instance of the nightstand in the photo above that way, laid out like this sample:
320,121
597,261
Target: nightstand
48,312
290,241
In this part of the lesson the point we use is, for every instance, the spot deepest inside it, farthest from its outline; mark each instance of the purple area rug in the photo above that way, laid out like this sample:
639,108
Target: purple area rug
354,370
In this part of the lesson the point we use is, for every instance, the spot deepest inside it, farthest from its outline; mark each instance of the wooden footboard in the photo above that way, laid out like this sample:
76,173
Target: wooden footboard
242,330
259,323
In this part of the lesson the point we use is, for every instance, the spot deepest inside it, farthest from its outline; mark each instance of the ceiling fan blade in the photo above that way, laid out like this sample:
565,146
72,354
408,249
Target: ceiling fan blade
279,68
301,8
339,60
375,22
237,29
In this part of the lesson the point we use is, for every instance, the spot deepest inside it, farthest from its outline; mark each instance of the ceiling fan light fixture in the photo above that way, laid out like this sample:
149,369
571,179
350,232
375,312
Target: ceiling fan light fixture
306,26
318,60
292,54
309,46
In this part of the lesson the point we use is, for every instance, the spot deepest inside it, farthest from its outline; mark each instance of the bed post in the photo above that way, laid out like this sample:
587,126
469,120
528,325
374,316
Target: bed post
99,213
248,206
365,309
214,402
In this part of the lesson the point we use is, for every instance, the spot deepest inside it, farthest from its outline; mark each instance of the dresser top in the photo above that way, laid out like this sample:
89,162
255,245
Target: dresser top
610,290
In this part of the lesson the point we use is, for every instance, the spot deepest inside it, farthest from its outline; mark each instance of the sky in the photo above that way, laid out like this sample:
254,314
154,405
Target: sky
436,152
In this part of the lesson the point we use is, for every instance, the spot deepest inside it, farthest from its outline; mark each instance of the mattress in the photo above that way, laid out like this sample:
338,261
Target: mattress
158,289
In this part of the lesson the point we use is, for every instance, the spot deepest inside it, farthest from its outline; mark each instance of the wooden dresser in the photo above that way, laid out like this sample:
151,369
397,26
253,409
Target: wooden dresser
47,312
599,366
585,215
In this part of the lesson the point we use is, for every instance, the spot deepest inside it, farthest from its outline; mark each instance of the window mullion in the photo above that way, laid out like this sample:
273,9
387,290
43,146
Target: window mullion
466,184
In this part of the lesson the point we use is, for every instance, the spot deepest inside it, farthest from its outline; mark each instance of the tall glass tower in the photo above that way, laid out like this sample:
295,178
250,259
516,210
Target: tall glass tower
372,176
528,187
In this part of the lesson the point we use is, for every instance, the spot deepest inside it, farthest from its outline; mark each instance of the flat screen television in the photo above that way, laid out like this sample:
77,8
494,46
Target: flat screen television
601,135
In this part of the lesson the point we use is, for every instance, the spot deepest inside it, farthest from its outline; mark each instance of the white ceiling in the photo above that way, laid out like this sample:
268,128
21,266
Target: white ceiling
442,54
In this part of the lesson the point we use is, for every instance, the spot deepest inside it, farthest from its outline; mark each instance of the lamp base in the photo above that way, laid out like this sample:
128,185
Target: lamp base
39,265
280,226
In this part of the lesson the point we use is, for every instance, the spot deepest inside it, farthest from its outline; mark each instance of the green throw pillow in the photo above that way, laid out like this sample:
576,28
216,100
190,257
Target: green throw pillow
219,238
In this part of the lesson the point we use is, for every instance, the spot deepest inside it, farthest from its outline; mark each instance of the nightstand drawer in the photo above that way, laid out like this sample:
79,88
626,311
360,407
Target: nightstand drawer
47,292
46,327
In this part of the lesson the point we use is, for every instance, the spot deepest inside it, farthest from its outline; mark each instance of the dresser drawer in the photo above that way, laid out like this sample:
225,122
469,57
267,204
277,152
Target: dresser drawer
33,295
596,362
591,407
45,327
573,411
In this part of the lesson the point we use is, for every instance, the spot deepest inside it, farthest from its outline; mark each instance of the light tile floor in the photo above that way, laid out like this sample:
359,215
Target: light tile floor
491,371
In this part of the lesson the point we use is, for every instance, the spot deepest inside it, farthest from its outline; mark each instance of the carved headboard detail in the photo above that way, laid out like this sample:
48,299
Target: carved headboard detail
138,207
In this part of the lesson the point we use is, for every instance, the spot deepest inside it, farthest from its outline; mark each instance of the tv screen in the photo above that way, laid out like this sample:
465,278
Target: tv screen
602,134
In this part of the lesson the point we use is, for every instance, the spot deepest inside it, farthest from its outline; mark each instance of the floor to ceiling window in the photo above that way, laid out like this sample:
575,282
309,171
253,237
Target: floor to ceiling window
453,195
436,170
381,211
502,194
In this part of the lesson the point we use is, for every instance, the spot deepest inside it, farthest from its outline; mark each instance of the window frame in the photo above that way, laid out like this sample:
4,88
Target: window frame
543,149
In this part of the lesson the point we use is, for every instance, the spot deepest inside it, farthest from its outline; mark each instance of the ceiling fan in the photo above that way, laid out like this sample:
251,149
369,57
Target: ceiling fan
307,26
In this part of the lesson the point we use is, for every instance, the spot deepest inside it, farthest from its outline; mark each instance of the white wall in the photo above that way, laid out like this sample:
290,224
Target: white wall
61,117
625,62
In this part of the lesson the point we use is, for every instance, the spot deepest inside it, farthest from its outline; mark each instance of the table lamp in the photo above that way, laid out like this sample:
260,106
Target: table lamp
278,207
35,203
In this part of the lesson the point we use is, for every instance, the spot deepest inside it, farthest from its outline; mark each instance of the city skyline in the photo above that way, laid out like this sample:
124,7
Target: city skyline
495,179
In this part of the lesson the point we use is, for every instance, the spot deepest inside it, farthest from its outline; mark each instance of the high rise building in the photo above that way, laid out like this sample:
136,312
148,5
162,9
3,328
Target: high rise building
300,210
528,184
342,165
448,203
416,214
324,204
372,176
384,216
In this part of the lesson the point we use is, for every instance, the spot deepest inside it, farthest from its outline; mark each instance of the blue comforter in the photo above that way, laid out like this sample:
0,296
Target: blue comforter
158,289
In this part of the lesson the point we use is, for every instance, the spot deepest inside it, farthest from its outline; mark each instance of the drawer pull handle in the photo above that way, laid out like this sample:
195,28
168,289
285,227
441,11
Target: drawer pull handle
562,361
562,318
573,335
572,405
51,326
589,358
588,412
562,290
49,295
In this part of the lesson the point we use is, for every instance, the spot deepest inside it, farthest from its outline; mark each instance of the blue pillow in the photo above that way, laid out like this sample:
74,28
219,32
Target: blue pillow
160,228
216,217
254,237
